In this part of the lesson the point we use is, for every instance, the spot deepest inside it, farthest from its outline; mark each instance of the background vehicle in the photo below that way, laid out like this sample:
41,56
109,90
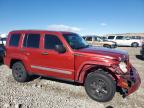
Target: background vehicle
142,51
67,56
2,52
3,41
125,41
98,41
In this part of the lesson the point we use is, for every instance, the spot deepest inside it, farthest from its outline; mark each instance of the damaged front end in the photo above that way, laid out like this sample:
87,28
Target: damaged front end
129,82
127,77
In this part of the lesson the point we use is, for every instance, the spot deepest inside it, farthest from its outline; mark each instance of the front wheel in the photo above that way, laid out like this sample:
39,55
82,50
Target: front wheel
100,86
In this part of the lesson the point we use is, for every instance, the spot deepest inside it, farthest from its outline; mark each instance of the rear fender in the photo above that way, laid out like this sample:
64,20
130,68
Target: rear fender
24,60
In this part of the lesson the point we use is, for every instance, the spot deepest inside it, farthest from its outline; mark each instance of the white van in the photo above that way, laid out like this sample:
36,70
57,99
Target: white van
125,41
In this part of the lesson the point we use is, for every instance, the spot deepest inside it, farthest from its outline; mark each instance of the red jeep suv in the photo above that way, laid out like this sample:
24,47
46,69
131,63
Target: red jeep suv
66,56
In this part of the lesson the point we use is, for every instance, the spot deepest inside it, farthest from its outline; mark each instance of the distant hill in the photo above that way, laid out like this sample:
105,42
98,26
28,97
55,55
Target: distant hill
127,34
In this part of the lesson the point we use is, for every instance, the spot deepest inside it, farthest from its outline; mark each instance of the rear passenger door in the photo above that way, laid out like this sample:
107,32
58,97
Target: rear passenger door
121,41
31,49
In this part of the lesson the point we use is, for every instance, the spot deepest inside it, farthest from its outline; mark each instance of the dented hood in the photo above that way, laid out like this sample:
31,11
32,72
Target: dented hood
104,52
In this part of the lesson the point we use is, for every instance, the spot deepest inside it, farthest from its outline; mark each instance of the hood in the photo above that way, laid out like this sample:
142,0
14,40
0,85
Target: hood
104,52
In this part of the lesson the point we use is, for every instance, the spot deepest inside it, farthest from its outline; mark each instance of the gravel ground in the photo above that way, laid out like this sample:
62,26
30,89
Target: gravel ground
45,93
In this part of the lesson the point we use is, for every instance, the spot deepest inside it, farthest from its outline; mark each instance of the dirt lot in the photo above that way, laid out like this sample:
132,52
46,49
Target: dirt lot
45,93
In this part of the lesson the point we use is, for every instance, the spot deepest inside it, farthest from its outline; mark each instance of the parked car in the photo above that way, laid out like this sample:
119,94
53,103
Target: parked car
3,41
125,41
142,51
98,41
67,56
2,52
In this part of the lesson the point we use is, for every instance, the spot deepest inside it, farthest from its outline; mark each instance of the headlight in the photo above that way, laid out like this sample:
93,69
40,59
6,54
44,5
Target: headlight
123,67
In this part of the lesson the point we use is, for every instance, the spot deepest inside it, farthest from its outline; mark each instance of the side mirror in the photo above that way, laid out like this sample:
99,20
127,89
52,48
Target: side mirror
60,48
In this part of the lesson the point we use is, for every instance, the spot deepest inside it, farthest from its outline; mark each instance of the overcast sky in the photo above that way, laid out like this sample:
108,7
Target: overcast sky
82,16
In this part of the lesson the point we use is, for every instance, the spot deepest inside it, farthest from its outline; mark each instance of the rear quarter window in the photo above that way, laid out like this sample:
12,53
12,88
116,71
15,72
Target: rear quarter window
14,40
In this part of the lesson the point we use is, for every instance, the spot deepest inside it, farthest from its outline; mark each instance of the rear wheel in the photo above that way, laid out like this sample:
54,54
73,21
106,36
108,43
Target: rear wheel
100,86
135,44
19,72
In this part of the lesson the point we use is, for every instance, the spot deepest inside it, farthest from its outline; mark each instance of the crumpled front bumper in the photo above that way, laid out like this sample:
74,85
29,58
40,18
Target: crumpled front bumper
129,82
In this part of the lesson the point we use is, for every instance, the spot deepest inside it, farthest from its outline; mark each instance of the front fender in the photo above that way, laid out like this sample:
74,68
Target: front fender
83,70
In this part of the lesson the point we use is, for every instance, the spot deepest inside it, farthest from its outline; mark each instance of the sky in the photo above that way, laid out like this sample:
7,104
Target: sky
81,16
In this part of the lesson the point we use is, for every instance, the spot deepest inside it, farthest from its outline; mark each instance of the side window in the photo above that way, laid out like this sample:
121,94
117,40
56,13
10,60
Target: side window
31,41
99,39
111,37
88,38
126,38
14,40
50,41
136,37
119,37
95,39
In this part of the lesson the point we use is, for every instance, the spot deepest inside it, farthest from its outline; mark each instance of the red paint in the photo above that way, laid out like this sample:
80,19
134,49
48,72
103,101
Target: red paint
78,62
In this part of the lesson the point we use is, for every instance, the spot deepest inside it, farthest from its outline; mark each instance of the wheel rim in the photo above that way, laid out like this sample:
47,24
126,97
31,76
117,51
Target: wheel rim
99,88
18,72
135,45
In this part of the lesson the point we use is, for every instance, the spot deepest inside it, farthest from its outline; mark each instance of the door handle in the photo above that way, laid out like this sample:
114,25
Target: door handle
44,53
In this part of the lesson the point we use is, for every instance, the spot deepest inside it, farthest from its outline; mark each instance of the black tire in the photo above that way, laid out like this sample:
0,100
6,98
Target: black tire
107,46
100,86
19,72
134,44
142,57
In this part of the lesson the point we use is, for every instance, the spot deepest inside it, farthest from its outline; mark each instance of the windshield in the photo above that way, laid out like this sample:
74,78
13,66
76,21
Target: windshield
75,41
104,38
99,39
